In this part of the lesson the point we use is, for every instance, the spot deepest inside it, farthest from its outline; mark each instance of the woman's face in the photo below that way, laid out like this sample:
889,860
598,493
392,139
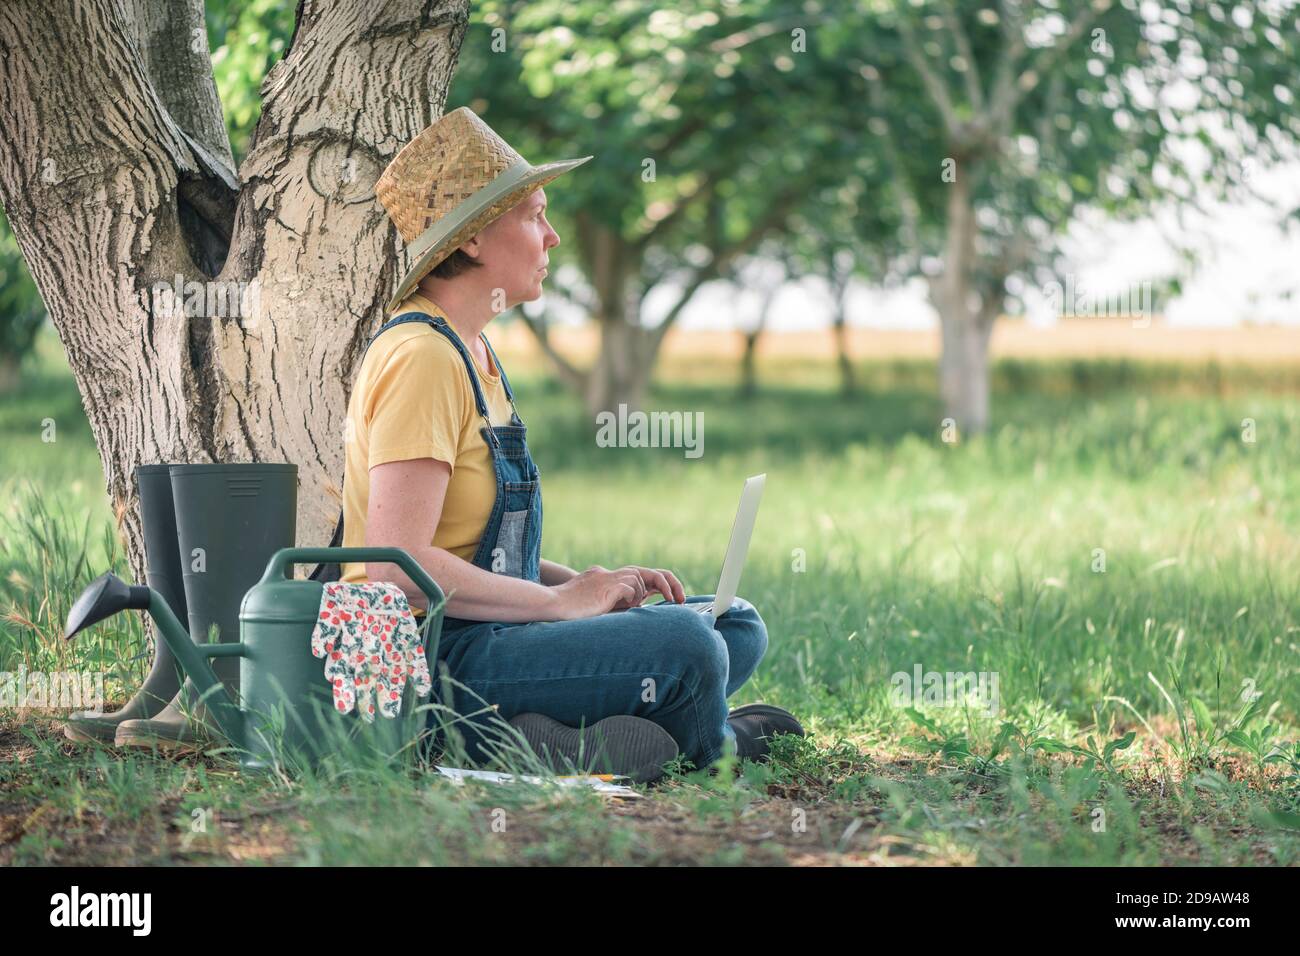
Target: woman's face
514,249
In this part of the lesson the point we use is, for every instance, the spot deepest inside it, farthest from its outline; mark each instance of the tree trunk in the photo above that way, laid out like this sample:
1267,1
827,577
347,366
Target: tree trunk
621,373
748,372
964,371
113,182
966,319
10,373
848,382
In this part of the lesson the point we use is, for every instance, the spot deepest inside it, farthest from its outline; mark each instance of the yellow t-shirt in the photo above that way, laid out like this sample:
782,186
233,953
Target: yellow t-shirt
413,399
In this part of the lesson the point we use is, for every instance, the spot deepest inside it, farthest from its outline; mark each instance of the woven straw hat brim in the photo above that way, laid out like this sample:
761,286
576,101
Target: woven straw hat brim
470,217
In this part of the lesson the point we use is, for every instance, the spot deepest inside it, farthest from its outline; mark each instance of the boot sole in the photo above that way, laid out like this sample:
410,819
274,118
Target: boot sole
74,731
148,743
177,747
82,730
622,744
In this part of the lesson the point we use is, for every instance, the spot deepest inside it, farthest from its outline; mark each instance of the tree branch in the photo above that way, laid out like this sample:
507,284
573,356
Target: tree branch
776,214
761,31
540,327
585,302
971,74
700,277
702,192
1010,95
1047,119
1013,43
171,39
934,84
137,136
908,202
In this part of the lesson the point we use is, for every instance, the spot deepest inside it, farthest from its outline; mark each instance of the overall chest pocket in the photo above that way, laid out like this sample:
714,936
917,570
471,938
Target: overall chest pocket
509,553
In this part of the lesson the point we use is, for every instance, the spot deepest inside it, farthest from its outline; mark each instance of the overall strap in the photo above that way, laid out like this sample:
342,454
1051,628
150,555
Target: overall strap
332,572
439,323
442,326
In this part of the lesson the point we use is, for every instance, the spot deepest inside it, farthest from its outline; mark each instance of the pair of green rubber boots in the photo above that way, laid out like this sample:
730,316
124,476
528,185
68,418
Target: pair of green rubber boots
209,531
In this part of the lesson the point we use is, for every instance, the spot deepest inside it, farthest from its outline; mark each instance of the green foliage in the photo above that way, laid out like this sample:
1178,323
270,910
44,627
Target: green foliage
21,309
1047,109
246,37
740,126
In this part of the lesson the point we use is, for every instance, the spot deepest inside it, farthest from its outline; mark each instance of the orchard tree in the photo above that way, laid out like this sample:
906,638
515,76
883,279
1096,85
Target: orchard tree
1004,120
211,314
712,125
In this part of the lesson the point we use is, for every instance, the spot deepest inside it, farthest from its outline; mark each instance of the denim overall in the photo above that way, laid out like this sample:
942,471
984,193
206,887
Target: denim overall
512,539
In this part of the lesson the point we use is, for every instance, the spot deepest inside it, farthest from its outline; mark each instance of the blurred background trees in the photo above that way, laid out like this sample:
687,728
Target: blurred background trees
1003,121
712,126
951,140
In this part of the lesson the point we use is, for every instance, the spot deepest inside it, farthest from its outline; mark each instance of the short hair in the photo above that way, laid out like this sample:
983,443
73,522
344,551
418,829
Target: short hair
456,263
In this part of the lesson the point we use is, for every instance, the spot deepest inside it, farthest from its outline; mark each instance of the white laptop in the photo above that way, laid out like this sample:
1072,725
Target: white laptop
734,562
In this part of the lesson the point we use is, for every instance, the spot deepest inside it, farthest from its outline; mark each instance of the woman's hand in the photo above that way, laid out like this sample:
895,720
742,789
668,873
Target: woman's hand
653,579
597,591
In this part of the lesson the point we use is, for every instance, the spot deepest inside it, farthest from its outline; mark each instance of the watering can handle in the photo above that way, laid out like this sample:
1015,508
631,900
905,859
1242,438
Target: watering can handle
285,558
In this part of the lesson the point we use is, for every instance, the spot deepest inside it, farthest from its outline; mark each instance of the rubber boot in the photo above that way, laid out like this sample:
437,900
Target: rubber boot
183,725
230,518
163,574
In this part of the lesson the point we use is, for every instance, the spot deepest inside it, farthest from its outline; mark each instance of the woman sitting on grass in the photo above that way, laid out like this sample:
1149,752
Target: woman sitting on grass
437,464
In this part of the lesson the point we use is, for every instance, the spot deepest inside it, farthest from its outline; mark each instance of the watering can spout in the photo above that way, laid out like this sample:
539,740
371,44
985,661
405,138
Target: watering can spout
108,594
104,597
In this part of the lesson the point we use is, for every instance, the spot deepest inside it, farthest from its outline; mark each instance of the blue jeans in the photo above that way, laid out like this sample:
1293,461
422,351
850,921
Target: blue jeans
661,661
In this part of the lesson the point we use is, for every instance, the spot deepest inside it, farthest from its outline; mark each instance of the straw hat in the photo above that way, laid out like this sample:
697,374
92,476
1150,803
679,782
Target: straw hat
449,182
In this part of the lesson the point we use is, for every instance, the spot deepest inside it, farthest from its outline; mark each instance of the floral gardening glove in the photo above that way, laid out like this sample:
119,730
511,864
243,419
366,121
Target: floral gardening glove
400,653
373,647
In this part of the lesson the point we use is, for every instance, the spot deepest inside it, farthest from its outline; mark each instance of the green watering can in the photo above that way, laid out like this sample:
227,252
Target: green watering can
287,703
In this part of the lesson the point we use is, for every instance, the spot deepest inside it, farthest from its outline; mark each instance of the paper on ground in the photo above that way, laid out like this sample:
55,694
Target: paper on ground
460,775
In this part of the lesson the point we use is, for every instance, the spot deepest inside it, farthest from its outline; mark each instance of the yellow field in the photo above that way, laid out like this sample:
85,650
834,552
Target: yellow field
1083,338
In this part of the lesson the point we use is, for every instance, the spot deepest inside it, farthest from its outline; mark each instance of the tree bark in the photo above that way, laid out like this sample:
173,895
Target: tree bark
109,191
964,372
621,373
965,318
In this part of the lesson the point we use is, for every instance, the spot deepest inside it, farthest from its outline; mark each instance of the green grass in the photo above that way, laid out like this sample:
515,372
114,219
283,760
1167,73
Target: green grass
1122,738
